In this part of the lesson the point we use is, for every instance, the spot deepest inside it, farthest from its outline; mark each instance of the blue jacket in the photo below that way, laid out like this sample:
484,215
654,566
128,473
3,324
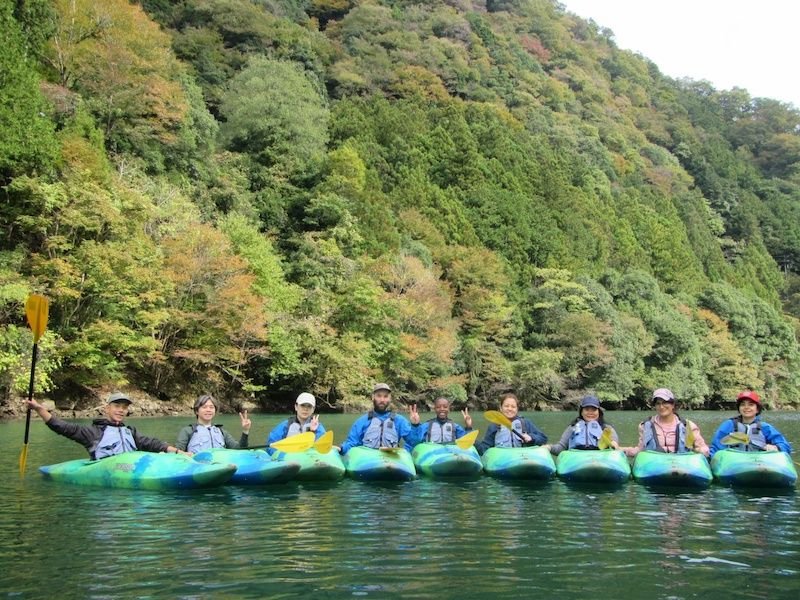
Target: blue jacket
280,430
772,435
487,442
356,435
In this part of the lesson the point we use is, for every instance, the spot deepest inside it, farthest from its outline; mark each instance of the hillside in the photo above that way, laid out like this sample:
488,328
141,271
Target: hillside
260,197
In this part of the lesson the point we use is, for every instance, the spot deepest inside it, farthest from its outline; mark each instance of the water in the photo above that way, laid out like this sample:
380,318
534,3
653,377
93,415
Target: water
420,539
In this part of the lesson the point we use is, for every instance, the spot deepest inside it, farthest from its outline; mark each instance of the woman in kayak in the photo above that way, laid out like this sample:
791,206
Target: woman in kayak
442,429
523,432
204,435
747,431
106,436
303,420
588,431
666,431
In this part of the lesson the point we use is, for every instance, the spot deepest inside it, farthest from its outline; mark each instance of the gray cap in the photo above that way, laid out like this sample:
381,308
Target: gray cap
119,397
664,394
381,386
591,401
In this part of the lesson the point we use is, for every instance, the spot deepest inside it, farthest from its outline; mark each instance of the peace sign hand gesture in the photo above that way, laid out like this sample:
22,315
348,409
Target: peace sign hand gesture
246,423
413,414
467,418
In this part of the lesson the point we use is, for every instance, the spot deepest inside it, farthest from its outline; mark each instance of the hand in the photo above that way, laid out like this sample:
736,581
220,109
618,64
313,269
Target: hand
184,453
414,415
314,423
770,447
33,404
246,423
467,418
614,445
527,438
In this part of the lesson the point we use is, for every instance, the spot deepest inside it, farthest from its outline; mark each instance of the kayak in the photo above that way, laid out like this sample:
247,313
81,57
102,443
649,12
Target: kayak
253,467
530,462
446,460
141,471
370,464
315,466
687,469
593,466
754,469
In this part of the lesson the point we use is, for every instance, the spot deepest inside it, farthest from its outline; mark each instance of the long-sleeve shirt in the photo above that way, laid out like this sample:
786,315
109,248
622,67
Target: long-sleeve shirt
667,437
538,437
771,435
356,435
420,432
89,435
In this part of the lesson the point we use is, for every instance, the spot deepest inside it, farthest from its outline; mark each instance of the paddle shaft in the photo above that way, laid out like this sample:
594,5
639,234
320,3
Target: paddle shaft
30,391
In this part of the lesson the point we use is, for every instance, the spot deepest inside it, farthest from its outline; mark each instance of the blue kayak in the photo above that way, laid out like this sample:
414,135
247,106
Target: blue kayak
369,464
687,469
593,466
754,469
530,462
253,467
446,460
314,465
141,471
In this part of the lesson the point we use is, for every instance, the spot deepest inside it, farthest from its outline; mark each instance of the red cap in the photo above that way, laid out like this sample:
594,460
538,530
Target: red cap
749,395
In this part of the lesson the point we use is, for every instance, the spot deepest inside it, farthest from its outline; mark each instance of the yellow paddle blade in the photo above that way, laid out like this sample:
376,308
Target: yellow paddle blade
23,460
467,440
324,444
36,309
605,439
295,443
737,437
498,418
689,435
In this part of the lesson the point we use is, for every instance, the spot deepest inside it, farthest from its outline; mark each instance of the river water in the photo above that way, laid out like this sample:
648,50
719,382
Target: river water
421,539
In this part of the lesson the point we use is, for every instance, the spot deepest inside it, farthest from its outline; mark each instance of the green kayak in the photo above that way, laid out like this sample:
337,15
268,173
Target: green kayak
754,469
141,471
369,464
315,466
530,462
446,460
593,466
253,467
687,469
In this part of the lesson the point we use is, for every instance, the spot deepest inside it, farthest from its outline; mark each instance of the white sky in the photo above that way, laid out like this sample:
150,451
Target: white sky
730,43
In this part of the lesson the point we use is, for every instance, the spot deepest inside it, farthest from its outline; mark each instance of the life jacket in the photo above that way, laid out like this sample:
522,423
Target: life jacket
441,433
651,439
504,438
753,431
380,433
585,435
115,440
203,438
294,426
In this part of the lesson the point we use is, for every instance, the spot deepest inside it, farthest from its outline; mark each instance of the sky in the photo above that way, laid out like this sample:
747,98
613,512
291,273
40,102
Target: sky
730,43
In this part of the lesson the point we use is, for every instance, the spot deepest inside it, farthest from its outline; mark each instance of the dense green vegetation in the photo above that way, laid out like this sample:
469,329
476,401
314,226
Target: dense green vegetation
257,197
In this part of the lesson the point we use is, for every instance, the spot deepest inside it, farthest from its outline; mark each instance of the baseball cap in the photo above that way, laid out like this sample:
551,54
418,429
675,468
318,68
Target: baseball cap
306,398
664,394
381,386
119,397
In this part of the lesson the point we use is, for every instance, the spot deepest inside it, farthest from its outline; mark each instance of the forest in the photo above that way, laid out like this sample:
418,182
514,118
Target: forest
254,198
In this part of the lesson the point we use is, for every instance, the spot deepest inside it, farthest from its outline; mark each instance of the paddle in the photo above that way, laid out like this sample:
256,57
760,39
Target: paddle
737,437
300,443
36,309
467,440
605,439
689,436
498,418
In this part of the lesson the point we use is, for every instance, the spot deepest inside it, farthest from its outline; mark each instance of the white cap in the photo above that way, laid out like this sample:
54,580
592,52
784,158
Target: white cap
306,398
